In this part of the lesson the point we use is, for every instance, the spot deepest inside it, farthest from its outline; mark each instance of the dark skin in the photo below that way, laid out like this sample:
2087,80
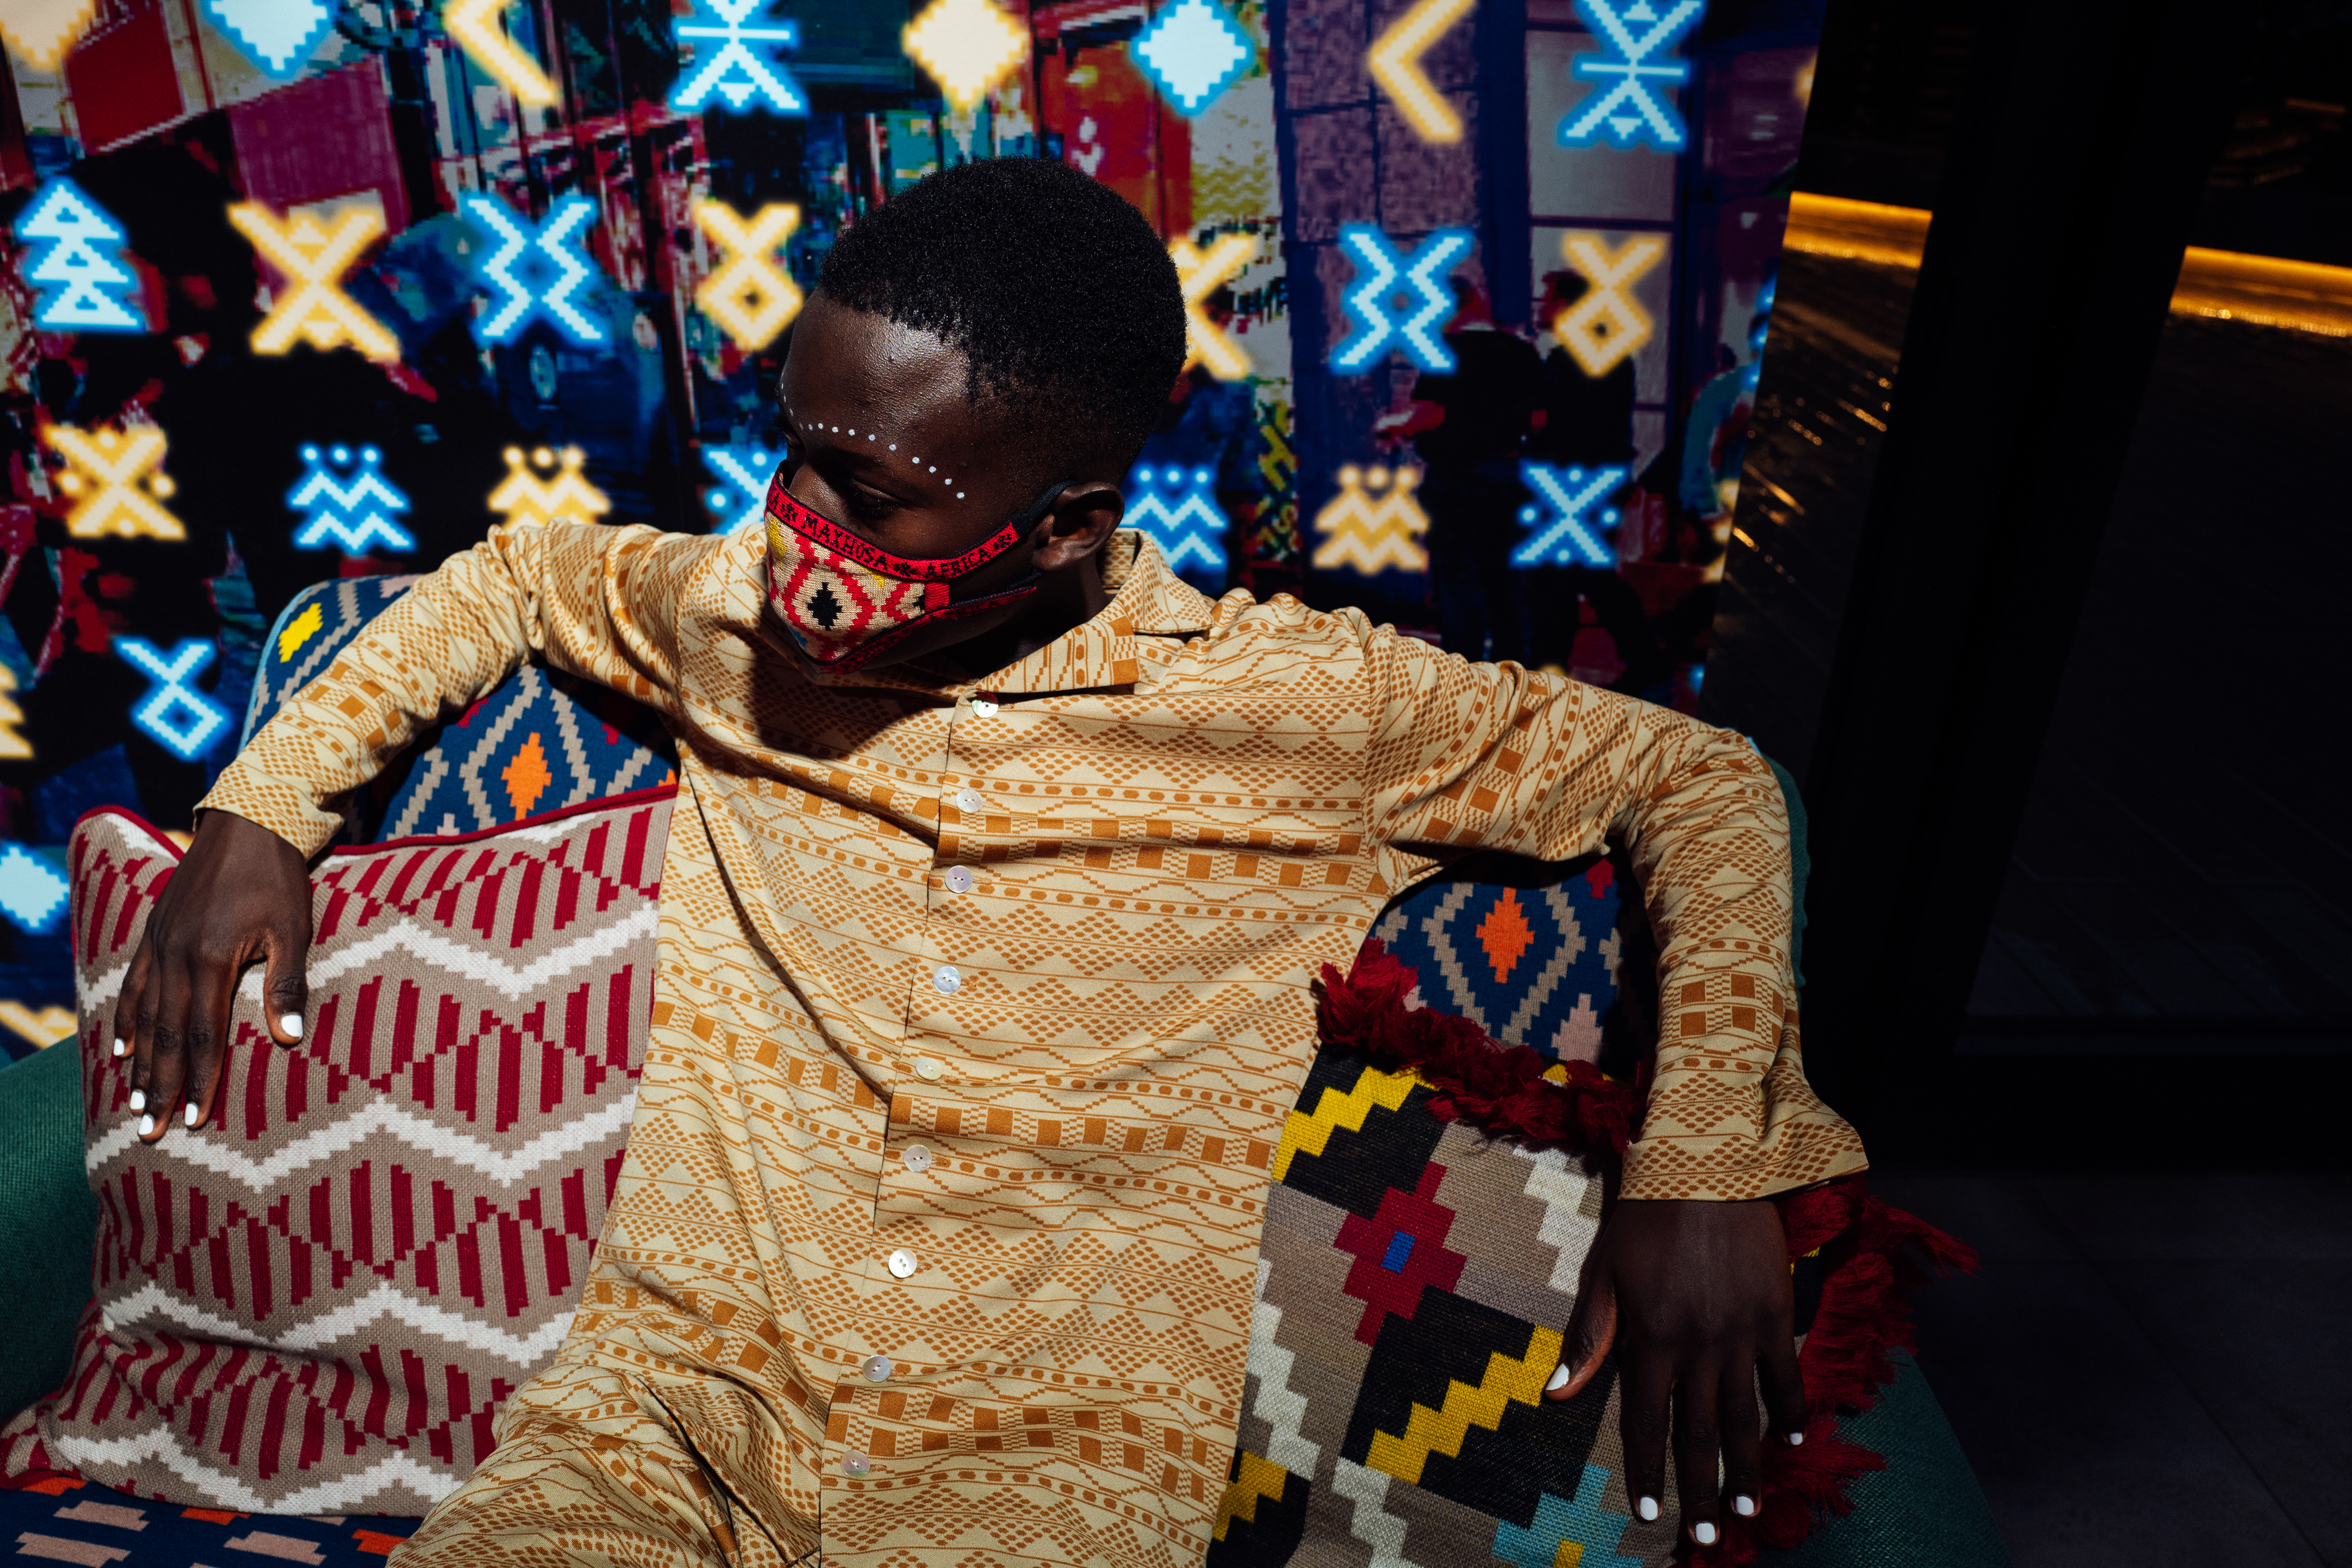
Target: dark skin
1695,1296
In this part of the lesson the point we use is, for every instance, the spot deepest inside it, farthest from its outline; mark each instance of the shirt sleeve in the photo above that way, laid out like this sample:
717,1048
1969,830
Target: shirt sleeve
1478,756
595,601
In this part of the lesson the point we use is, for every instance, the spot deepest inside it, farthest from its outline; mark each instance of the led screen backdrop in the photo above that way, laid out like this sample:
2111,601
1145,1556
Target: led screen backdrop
298,289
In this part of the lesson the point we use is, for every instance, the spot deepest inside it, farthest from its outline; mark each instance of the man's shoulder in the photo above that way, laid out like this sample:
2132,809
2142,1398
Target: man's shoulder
1249,640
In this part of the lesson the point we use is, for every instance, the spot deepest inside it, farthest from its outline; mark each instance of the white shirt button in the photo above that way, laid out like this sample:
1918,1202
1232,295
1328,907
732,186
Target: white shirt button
969,800
917,1158
878,1369
946,979
902,1263
856,1465
928,1071
983,707
960,880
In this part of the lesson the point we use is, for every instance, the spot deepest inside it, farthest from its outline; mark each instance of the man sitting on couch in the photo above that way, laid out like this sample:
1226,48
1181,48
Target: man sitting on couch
1000,867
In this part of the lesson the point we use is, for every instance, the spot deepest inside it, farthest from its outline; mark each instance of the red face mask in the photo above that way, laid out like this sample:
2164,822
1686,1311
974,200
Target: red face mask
846,602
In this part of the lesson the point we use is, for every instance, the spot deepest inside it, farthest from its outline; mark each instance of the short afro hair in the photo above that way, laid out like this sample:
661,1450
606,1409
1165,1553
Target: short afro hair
1061,296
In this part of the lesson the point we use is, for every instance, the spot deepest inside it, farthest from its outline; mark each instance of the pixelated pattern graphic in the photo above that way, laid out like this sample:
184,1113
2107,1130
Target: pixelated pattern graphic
75,264
1628,110
748,294
41,30
312,260
546,485
32,894
14,747
173,714
1189,529
743,76
353,515
276,35
1562,528
116,480
1373,524
535,269
1191,51
41,1029
968,46
1201,273
1607,324
1384,274
741,500
66,1520
1394,62
474,25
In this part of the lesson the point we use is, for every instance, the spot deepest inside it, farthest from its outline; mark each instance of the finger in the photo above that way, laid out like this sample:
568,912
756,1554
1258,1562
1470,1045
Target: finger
1784,1384
1698,1448
285,988
126,1006
1743,1420
212,995
145,1012
167,1065
1592,1329
1647,1380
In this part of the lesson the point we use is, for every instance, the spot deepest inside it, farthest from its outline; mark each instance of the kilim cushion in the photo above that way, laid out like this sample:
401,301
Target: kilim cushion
64,1519
542,741
316,1302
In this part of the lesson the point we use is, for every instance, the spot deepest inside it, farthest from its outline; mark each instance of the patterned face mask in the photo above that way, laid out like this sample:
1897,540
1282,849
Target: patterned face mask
846,602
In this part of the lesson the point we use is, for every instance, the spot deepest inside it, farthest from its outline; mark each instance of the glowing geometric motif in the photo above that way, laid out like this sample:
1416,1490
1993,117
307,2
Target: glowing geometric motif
750,295
1631,110
523,497
1394,62
39,30
474,25
44,1028
1606,325
184,738
83,289
14,747
1372,536
1565,538
742,499
313,262
735,73
119,476
1385,273
348,515
1200,272
553,266
966,47
276,35
31,894
1192,530
1192,51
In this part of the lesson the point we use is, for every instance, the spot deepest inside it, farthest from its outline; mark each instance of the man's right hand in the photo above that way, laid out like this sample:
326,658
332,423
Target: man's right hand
241,896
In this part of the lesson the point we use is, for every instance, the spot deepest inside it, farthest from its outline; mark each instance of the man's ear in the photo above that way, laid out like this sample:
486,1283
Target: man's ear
1080,522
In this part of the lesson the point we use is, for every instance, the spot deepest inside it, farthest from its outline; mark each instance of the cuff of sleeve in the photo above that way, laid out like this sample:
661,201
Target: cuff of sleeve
1802,1153
285,808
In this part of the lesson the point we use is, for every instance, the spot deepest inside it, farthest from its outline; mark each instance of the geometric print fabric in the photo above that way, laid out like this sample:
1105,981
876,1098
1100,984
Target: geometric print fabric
319,1300
68,1521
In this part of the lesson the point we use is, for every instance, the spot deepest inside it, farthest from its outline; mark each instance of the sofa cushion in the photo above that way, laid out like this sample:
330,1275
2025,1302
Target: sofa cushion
316,1302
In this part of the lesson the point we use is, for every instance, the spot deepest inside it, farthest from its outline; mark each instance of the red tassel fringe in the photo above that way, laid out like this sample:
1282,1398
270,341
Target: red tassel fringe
1867,1248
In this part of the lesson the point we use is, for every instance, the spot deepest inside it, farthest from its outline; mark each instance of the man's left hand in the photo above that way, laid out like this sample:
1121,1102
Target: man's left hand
1697,1295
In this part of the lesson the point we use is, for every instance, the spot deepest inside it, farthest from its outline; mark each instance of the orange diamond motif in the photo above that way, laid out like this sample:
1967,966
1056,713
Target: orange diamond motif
1504,933
527,777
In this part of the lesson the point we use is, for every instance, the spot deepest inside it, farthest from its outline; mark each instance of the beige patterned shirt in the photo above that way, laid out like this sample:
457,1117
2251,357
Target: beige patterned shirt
977,1021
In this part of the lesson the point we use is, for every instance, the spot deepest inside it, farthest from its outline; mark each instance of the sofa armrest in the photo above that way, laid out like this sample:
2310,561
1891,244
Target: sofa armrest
49,1223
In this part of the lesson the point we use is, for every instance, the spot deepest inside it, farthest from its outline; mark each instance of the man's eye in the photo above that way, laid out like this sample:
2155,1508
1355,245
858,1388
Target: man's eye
869,505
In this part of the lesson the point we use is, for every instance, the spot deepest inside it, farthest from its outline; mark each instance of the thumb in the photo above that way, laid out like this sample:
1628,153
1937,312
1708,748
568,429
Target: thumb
285,986
1592,1329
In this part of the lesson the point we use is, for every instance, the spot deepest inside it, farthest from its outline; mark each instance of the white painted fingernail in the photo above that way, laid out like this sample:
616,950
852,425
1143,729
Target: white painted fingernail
192,1115
138,1099
1745,1507
1647,1507
1702,1532
146,1125
122,1048
1796,1439
1559,1380
290,1025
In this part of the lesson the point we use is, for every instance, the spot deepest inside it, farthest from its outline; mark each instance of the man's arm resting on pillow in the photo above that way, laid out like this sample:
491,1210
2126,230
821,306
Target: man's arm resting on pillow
1689,1276
595,601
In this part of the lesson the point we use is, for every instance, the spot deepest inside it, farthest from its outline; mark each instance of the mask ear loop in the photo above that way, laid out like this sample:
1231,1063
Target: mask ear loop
1022,521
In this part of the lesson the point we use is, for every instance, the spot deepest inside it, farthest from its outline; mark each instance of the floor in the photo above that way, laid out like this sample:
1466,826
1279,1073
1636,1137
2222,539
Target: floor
2148,1369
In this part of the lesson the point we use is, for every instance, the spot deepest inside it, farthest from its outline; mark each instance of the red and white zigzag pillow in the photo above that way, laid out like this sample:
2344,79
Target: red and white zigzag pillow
316,1302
